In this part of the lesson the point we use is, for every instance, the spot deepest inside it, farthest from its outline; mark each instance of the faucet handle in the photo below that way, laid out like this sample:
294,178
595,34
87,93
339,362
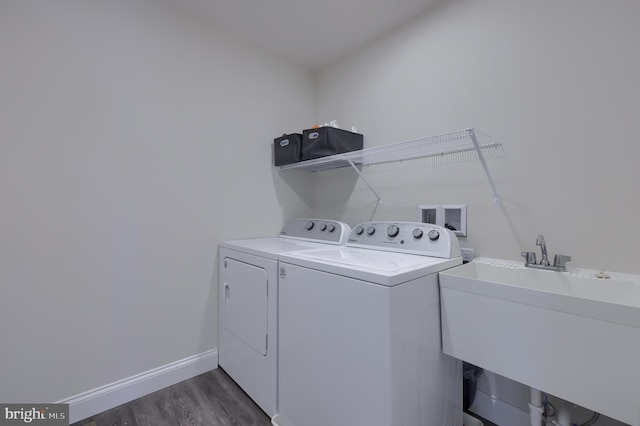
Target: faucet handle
529,257
561,260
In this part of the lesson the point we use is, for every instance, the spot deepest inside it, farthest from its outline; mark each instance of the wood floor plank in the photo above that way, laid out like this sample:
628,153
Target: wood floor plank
232,404
152,409
118,416
192,409
211,399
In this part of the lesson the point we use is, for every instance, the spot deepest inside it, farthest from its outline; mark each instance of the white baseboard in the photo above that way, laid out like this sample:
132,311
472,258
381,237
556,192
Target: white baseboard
100,399
498,411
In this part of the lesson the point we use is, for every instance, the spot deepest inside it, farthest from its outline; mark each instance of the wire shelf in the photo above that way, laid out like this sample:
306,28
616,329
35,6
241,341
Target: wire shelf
448,143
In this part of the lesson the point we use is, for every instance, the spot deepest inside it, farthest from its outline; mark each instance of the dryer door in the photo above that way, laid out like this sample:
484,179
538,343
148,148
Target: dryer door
244,308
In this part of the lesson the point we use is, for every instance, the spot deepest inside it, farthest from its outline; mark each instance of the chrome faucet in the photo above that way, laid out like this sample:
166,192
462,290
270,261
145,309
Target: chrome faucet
543,248
559,260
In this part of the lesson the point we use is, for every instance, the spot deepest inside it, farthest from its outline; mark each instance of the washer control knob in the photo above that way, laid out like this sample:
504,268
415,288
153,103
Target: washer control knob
323,227
393,231
359,230
417,233
332,227
433,235
310,225
371,230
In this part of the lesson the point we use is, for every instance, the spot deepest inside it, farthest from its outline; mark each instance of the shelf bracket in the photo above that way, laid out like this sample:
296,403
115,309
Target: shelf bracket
496,196
354,167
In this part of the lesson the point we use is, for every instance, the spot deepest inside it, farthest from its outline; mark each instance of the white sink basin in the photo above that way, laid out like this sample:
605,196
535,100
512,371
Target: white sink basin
566,333
576,291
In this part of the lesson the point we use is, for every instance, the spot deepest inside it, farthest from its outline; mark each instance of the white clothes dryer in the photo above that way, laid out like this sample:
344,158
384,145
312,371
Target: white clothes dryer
359,331
248,303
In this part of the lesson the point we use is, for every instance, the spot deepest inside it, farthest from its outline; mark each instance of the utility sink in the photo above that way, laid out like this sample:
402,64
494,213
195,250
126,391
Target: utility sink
570,334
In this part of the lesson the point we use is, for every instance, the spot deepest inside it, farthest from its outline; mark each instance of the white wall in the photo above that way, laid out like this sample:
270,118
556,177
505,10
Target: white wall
133,138
555,82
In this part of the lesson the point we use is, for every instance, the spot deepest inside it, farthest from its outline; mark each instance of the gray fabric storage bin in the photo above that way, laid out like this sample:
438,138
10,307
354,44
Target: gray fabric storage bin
324,141
287,149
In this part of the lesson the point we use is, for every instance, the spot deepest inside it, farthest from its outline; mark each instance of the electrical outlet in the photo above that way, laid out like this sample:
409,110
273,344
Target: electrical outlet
467,254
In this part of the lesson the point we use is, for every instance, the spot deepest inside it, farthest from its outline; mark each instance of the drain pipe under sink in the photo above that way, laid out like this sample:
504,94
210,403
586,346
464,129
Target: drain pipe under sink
536,411
535,407
564,417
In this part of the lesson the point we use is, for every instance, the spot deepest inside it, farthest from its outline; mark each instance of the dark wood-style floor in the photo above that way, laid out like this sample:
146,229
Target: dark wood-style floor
211,399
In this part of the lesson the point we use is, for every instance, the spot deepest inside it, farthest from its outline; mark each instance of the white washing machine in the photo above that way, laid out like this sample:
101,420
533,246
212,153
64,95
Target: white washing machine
359,331
248,303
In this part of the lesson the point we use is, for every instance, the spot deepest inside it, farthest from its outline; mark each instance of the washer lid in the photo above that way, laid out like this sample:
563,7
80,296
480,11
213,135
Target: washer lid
381,267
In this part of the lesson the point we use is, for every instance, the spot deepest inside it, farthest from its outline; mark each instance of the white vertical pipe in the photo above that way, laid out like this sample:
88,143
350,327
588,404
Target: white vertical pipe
535,407
564,416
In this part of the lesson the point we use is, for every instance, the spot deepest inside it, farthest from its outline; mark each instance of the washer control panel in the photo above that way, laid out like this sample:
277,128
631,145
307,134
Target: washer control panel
406,237
322,230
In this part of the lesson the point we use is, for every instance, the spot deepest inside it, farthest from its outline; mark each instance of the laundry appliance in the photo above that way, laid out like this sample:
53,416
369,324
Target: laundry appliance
359,331
248,303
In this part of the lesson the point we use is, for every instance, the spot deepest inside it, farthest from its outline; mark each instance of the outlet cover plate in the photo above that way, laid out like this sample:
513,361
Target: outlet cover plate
467,254
452,216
